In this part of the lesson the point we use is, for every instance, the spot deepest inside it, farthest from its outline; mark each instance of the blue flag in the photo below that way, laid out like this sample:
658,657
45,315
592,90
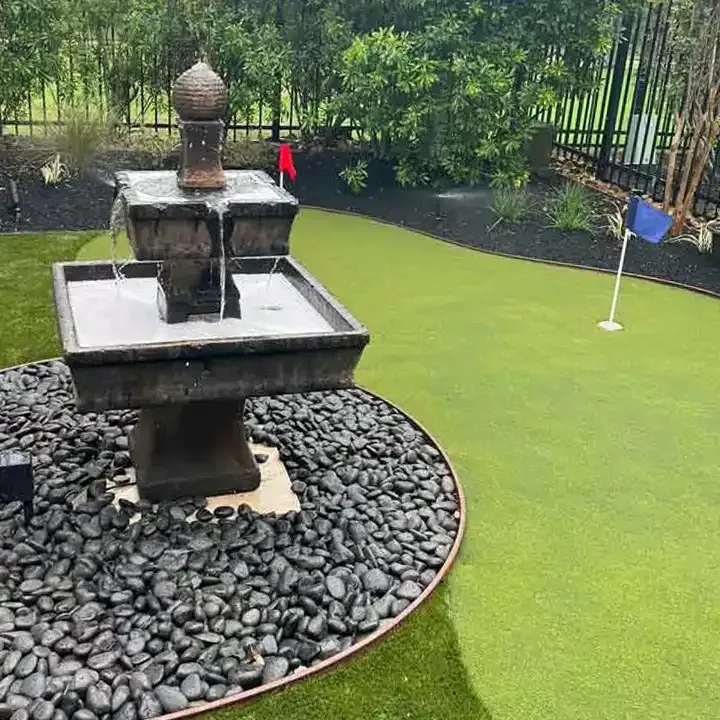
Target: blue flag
645,221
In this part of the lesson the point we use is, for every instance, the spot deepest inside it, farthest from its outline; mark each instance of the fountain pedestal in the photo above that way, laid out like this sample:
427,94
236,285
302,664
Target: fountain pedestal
193,449
200,166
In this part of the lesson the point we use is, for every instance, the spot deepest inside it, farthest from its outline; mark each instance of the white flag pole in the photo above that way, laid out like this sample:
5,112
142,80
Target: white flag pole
610,323
282,179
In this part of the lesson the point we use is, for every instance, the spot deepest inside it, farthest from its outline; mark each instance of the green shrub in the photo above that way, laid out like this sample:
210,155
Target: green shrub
570,207
457,93
510,205
355,174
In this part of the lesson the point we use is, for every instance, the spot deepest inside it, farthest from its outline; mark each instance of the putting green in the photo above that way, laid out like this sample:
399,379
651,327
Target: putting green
588,580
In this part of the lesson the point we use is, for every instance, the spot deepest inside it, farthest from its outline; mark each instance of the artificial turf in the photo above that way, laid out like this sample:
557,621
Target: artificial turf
27,324
587,582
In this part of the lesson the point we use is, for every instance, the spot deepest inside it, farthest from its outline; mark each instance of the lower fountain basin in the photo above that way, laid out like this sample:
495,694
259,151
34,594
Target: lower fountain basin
293,337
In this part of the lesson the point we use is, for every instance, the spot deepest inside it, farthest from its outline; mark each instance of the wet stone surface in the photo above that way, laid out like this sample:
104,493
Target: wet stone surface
101,617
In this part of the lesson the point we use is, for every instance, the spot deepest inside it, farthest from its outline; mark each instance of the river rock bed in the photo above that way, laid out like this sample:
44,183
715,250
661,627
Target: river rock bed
130,610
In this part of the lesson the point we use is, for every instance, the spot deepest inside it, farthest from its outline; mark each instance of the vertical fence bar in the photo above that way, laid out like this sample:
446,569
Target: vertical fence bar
291,128
654,65
126,90
168,92
99,49
591,145
85,84
30,112
155,89
624,170
618,75
71,81
142,90
43,100
57,102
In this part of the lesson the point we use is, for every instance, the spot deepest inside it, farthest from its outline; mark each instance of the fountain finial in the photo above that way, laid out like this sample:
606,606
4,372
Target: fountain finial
200,100
200,94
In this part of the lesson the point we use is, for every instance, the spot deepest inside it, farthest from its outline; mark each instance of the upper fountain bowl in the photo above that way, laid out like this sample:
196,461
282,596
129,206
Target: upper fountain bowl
200,94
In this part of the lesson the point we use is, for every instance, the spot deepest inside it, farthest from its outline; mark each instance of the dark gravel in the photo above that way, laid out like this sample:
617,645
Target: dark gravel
101,617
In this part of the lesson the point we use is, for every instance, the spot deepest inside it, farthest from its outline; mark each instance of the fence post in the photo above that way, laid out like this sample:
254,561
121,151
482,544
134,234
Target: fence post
618,78
277,99
276,108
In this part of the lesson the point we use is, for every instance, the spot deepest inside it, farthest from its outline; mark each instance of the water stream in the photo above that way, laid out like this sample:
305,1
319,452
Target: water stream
267,305
221,208
117,224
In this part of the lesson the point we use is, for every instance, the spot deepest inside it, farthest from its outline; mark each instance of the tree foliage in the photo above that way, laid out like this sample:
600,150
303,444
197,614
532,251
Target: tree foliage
442,87
458,94
31,35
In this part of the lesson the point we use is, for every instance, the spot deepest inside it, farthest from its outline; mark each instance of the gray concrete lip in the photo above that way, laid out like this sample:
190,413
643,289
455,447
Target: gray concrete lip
155,194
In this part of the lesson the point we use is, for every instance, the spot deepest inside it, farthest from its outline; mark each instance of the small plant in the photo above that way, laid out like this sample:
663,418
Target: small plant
54,171
355,175
510,205
703,238
511,172
570,208
81,136
615,224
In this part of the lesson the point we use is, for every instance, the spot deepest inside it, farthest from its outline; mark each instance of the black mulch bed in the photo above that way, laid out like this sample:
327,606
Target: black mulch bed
462,215
81,203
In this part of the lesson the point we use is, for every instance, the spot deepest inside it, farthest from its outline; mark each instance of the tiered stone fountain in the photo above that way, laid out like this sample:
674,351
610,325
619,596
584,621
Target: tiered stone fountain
212,311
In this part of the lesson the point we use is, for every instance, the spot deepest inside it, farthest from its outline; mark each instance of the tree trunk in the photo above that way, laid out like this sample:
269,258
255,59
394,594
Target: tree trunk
681,202
685,203
672,161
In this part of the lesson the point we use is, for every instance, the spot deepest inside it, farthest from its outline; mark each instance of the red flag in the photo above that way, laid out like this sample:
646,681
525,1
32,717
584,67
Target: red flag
285,162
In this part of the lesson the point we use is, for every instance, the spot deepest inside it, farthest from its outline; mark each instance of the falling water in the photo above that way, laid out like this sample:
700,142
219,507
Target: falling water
220,208
268,305
117,223
272,270
223,269
118,215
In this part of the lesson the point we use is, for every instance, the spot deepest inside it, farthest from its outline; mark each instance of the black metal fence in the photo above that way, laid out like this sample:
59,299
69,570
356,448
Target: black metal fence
147,108
624,126
101,75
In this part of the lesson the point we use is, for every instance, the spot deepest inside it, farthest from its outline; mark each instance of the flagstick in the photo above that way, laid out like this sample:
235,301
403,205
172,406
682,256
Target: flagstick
610,323
282,178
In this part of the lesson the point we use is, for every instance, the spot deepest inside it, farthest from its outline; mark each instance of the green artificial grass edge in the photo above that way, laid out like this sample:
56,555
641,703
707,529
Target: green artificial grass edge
27,324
